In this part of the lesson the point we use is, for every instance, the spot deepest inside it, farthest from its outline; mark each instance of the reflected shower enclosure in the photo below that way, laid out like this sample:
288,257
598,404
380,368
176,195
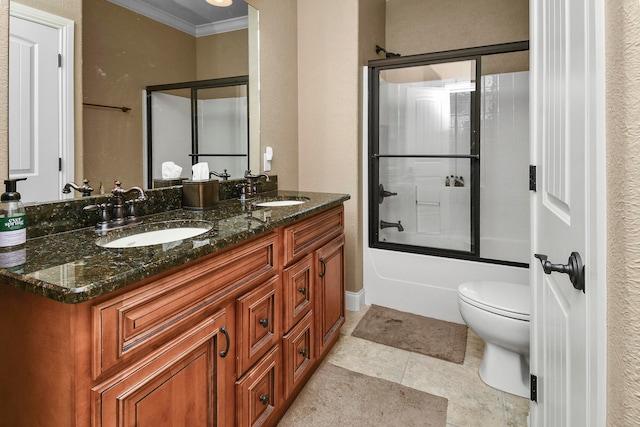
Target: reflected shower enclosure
449,155
200,121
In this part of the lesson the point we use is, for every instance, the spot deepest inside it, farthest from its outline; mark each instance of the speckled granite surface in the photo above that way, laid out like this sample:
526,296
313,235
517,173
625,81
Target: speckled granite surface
69,267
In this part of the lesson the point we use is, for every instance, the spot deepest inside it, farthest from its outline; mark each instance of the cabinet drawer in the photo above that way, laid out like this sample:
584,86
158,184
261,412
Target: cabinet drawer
148,316
258,323
298,291
258,392
175,385
297,353
310,234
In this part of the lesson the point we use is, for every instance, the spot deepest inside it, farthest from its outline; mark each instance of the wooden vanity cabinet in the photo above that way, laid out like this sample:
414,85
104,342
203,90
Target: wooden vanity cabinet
226,340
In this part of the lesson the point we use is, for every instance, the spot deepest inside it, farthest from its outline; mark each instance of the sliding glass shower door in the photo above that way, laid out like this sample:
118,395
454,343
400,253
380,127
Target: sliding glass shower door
425,156
449,154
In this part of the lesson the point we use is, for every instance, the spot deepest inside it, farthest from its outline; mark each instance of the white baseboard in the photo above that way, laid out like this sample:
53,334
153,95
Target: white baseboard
354,300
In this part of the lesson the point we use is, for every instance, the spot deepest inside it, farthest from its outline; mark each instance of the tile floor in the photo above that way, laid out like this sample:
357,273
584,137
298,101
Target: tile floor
471,402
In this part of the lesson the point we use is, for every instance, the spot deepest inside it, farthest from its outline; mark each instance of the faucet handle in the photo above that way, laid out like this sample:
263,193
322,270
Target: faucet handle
85,189
103,212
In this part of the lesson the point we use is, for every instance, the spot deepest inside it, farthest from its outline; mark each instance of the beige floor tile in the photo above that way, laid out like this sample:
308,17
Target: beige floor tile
352,318
471,402
369,358
516,410
475,349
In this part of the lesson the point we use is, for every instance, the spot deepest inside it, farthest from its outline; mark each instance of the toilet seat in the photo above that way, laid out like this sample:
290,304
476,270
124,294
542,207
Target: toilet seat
501,298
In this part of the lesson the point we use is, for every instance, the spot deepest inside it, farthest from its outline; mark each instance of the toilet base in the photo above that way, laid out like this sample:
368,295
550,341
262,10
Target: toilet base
505,370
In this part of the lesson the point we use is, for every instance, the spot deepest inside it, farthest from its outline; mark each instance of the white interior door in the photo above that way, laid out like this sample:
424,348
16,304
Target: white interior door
34,145
40,102
565,123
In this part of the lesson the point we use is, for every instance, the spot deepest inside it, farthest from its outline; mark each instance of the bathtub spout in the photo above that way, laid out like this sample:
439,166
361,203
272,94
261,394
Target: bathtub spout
385,224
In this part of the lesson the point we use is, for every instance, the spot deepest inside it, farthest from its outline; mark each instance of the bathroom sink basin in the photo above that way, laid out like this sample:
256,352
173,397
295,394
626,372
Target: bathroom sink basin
282,201
154,234
275,203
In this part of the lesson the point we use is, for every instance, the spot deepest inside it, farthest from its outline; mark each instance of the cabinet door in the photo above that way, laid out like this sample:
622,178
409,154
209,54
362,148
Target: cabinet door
298,291
330,303
258,392
177,385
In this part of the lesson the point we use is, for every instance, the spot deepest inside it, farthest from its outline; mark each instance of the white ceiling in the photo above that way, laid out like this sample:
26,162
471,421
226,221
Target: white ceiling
195,17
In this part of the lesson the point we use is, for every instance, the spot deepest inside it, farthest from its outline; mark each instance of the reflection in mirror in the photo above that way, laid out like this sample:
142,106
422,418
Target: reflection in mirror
121,53
204,121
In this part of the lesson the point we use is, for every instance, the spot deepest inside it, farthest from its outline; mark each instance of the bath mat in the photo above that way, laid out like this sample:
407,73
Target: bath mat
424,335
335,396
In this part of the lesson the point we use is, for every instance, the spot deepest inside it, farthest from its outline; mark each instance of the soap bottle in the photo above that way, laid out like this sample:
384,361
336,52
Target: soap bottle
13,227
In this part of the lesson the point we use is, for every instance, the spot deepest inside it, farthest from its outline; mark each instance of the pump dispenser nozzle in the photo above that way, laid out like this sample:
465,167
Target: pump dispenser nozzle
10,190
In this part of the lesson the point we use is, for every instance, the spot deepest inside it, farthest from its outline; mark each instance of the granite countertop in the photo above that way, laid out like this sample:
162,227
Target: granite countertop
69,267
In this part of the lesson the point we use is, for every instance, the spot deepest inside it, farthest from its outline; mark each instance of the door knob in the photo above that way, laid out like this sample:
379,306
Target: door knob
574,268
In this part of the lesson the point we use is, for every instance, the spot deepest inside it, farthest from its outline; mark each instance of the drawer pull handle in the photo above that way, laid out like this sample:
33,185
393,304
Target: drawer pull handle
324,267
224,353
264,398
264,322
303,352
302,290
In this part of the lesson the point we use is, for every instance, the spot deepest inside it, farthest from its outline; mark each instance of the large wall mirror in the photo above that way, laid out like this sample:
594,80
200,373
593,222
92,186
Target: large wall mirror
123,50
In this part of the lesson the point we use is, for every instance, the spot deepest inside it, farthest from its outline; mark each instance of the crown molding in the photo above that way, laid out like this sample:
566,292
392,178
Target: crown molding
179,24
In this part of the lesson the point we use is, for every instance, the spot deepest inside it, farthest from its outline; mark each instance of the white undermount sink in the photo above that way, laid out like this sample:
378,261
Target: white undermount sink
282,201
275,203
154,234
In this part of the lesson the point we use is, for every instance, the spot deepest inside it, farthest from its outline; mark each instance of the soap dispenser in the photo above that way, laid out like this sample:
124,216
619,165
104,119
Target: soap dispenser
13,227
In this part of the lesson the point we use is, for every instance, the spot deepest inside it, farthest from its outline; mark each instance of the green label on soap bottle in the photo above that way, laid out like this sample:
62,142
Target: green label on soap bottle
12,223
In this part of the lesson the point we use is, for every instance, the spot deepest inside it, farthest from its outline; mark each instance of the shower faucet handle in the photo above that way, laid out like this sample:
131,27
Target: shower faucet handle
382,193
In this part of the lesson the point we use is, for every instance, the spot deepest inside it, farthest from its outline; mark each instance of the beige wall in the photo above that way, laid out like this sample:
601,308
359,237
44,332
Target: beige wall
622,29
419,26
278,87
222,55
123,53
330,59
328,101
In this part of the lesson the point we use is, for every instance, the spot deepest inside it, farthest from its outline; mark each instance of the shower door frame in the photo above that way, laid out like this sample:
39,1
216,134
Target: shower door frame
466,54
193,86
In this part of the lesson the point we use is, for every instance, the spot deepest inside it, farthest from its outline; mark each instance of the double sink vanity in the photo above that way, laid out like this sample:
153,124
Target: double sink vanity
190,317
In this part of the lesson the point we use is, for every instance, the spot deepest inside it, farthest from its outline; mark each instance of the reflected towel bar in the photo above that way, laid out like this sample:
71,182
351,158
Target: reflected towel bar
123,109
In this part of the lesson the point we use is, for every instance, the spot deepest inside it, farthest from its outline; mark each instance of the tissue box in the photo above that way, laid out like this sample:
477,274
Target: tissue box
162,183
199,194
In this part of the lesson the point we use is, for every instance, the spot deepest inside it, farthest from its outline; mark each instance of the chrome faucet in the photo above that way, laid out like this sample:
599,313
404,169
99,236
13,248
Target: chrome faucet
85,190
385,224
118,202
251,188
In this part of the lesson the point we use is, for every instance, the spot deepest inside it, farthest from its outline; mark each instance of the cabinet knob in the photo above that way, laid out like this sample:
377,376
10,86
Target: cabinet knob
302,290
264,322
264,398
303,352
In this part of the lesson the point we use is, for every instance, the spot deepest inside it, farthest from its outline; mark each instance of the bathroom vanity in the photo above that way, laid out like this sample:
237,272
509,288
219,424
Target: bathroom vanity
220,329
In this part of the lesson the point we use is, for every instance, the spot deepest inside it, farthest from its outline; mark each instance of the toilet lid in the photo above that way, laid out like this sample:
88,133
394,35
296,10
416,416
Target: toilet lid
507,299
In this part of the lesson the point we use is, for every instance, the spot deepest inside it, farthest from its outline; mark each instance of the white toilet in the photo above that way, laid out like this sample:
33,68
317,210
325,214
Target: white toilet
498,312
